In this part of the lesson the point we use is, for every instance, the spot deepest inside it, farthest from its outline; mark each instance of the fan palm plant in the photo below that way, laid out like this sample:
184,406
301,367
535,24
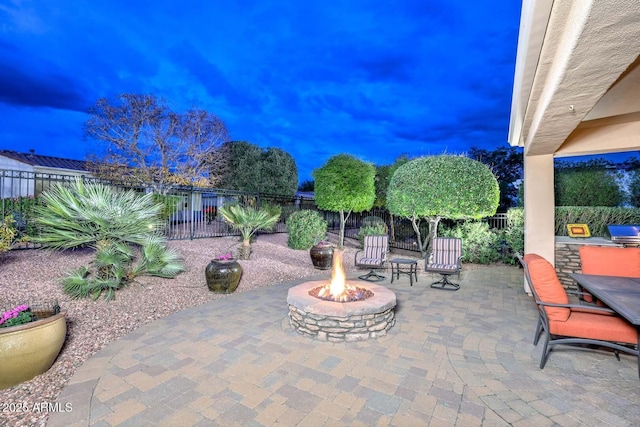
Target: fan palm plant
248,220
121,227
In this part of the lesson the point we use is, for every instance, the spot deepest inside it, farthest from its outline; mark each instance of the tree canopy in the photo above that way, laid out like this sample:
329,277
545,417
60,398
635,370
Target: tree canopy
591,183
383,177
307,185
344,184
143,142
254,169
445,186
506,163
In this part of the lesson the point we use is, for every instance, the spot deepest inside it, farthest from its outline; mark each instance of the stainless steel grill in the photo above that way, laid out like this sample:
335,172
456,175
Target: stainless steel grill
627,235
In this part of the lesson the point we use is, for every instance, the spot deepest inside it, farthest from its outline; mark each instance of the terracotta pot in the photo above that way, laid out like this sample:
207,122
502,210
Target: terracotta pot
30,349
223,276
321,256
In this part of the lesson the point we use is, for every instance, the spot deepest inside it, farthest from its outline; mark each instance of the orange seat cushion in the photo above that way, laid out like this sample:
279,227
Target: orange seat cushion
610,261
597,327
548,287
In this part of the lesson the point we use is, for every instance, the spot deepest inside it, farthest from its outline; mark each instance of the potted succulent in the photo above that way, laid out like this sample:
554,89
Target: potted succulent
223,274
30,341
322,255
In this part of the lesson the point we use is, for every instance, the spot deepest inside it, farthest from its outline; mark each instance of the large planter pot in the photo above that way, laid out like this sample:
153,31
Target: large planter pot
30,349
321,256
223,276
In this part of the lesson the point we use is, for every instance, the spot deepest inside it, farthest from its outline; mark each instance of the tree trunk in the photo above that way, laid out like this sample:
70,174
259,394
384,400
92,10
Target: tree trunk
245,249
392,227
433,233
425,246
415,223
341,235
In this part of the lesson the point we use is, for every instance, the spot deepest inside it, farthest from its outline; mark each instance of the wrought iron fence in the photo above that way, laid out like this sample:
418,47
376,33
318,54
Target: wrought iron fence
191,212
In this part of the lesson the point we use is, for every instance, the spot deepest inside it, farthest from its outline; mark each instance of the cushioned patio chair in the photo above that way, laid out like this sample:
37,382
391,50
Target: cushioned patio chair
373,256
445,259
566,323
608,261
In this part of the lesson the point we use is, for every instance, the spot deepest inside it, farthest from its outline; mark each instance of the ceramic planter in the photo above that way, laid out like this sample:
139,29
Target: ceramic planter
322,256
30,349
223,276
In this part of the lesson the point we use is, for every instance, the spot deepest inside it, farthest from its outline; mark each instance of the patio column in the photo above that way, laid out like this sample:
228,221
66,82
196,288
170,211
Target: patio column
539,208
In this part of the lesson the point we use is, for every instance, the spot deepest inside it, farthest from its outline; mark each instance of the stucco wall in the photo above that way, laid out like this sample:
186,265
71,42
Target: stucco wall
567,259
11,164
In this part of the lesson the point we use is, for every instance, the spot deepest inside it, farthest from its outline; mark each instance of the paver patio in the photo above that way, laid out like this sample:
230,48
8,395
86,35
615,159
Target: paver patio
461,358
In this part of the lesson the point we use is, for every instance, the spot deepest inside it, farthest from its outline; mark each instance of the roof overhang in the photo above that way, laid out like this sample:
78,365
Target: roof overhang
570,57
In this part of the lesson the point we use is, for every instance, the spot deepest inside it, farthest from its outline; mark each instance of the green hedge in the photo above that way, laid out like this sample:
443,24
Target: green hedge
597,218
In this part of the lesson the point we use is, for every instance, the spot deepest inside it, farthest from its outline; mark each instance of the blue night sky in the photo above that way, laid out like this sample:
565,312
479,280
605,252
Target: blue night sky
375,79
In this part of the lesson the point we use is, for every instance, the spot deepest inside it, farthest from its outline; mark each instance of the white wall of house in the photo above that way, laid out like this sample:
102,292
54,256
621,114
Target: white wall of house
17,178
11,164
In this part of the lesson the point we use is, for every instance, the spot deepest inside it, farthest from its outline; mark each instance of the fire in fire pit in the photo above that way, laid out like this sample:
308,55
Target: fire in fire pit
340,311
339,290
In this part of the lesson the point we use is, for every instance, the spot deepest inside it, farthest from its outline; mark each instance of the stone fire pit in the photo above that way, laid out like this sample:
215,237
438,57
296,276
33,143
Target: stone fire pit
341,321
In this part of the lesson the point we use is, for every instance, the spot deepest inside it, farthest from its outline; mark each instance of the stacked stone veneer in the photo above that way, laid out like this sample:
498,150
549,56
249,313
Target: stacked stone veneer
568,257
341,322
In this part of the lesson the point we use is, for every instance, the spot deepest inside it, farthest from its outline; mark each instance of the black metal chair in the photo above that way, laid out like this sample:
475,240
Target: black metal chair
373,256
445,259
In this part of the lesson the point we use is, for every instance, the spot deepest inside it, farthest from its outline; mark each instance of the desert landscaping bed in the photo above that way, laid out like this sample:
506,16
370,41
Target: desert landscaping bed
34,275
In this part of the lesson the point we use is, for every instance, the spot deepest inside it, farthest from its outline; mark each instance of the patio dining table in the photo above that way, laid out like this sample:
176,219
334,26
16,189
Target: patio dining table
621,294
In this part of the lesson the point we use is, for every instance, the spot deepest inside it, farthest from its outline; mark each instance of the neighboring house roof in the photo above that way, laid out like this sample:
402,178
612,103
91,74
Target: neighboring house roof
308,194
33,159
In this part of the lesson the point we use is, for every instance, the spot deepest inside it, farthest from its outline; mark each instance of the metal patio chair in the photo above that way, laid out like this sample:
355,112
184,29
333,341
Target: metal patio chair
445,259
373,256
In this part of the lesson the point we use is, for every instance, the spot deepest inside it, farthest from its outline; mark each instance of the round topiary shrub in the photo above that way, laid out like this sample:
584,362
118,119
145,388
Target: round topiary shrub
305,228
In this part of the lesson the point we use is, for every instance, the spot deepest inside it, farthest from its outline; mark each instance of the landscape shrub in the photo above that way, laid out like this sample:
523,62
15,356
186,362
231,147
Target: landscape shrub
8,233
480,245
305,228
22,211
514,234
371,220
169,205
121,226
287,210
272,209
372,230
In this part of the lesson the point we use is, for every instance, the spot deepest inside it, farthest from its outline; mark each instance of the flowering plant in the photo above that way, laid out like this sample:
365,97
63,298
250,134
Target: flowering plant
17,316
225,257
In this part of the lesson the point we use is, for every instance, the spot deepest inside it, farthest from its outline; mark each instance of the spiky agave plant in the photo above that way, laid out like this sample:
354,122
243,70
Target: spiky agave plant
248,221
121,227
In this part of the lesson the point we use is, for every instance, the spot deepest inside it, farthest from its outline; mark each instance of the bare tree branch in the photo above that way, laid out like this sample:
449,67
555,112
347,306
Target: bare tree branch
145,143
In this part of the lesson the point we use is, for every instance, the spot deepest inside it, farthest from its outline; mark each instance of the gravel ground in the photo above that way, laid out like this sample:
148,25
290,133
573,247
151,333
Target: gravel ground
34,275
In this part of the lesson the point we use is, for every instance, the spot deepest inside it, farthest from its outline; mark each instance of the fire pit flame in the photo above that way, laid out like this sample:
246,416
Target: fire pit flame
338,289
